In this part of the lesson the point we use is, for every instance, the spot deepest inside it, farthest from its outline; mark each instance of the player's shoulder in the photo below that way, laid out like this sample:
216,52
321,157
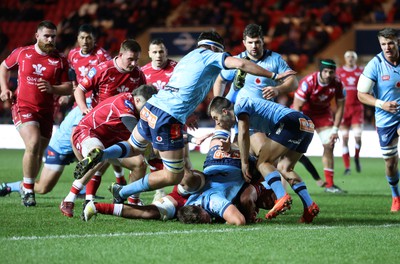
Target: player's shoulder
172,63
146,67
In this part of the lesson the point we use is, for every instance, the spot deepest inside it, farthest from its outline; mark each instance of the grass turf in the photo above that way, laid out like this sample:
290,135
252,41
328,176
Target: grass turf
357,227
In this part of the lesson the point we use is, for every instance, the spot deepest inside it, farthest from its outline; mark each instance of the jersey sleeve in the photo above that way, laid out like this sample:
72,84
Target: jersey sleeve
303,90
243,107
215,58
12,60
88,82
370,70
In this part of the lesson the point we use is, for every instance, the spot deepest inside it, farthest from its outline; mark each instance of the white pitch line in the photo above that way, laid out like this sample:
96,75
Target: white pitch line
195,231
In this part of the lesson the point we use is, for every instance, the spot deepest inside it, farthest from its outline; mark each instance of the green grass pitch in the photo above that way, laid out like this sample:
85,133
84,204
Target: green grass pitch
357,227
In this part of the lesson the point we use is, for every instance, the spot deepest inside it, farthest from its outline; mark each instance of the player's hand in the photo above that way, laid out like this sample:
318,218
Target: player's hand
86,111
201,139
270,92
392,107
246,172
334,137
44,86
63,100
6,94
191,122
225,144
283,75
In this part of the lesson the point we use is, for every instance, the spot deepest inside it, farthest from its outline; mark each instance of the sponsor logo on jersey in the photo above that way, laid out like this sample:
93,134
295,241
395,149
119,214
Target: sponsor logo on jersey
147,76
123,89
28,56
304,87
385,77
83,71
53,62
29,115
168,74
93,62
91,73
159,139
129,105
39,69
176,131
159,84
148,117
134,80
322,97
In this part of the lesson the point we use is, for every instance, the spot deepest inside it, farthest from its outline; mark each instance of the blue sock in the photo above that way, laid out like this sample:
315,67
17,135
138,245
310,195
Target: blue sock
14,186
83,191
301,190
141,185
120,150
273,180
393,182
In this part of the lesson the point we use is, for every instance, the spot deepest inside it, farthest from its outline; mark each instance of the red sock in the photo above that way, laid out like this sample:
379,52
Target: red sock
328,177
29,184
121,180
93,185
104,208
75,189
346,160
157,164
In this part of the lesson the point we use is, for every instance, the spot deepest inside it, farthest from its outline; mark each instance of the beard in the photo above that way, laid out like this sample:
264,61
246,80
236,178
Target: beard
46,47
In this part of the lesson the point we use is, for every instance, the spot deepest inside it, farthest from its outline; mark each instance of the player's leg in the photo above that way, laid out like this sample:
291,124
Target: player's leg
233,216
312,170
31,161
261,145
52,170
345,130
286,167
389,150
357,131
324,134
48,178
86,146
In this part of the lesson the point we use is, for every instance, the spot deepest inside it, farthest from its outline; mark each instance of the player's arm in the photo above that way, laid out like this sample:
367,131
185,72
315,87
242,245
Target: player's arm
233,216
298,103
244,144
64,88
339,112
219,86
252,68
288,85
364,88
6,93
130,122
80,100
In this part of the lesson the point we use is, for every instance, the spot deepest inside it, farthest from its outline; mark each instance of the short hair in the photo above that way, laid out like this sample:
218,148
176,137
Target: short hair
210,35
190,214
46,24
253,31
327,63
145,90
130,45
87,28
218,103
390,33
157,41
